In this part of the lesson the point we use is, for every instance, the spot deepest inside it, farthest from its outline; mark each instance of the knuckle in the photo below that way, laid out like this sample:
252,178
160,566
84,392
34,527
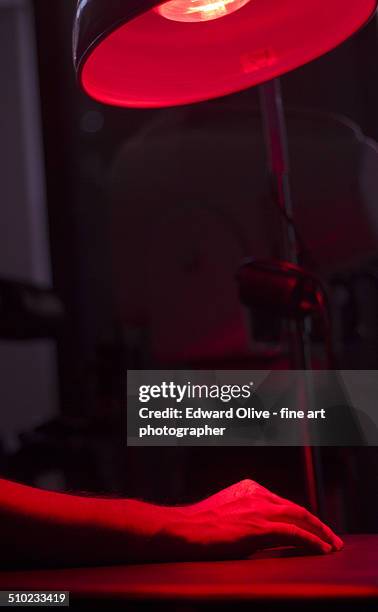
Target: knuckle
302,512
246,485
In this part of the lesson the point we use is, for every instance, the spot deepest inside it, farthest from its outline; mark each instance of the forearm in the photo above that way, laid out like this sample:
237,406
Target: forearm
46,527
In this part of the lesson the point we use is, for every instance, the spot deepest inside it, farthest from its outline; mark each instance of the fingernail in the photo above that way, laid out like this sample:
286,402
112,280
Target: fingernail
339,543
327,548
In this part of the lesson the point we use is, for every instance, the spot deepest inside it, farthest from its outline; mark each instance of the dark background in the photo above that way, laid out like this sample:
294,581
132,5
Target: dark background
127,192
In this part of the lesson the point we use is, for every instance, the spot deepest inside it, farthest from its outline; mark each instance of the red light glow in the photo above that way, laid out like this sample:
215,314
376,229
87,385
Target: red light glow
198,10
153,62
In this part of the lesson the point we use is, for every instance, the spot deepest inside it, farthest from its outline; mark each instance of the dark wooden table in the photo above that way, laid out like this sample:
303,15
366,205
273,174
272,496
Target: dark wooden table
351,574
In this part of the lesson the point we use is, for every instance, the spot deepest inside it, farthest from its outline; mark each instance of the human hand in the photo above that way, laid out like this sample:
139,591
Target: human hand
246,517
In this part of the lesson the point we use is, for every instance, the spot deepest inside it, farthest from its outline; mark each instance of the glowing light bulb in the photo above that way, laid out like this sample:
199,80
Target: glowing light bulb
198,10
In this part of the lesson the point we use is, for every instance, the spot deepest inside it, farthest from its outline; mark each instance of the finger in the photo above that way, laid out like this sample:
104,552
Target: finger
294,535
322,530
306,520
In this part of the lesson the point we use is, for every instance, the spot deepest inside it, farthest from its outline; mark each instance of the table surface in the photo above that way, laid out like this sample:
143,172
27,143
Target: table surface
351,573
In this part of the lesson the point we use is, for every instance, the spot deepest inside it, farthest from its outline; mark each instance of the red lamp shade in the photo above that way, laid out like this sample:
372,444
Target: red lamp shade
145,53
